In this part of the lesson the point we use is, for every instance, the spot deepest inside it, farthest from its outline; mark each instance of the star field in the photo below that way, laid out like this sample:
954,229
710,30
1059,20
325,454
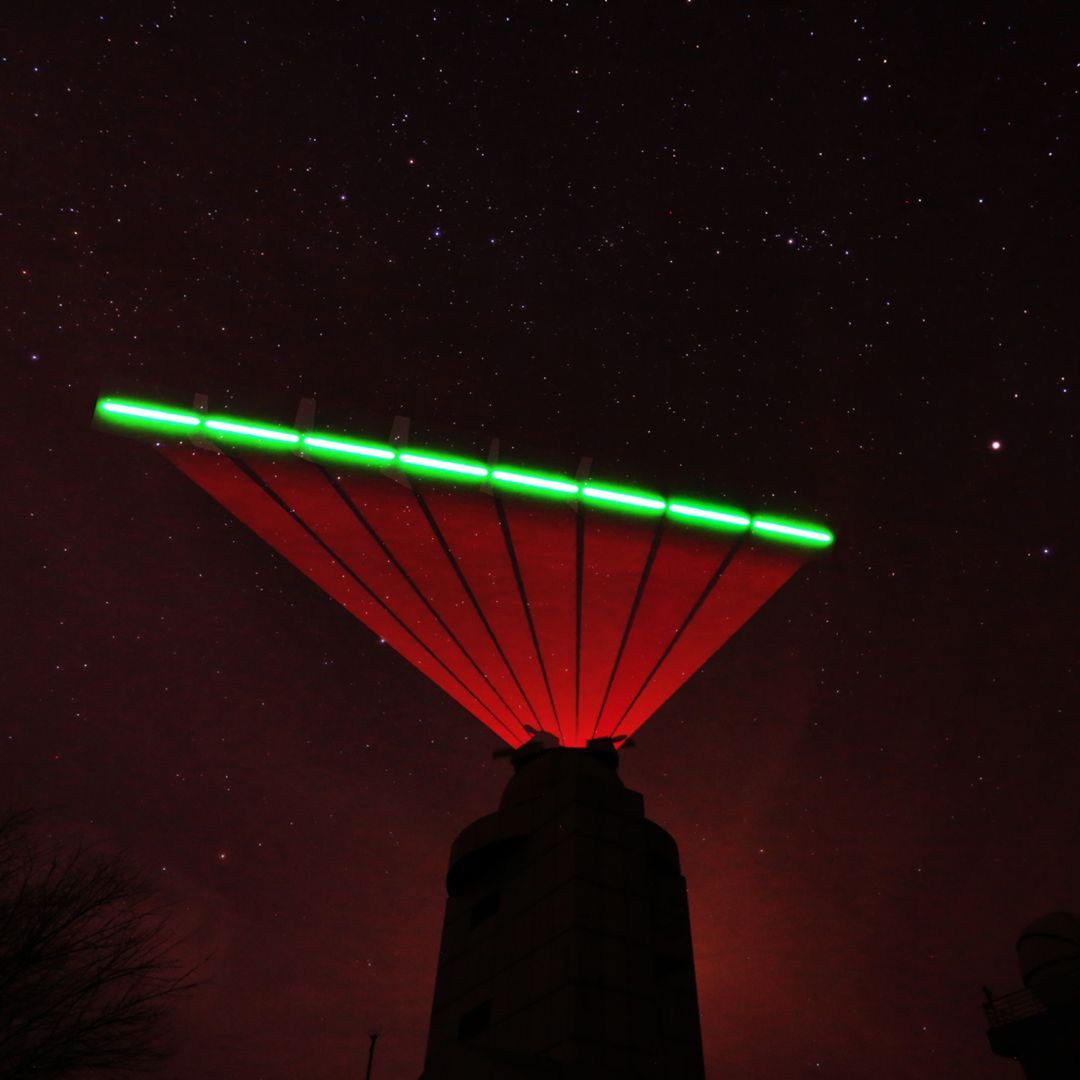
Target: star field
811,261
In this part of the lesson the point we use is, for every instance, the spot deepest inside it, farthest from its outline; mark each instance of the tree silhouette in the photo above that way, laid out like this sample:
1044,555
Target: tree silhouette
87,960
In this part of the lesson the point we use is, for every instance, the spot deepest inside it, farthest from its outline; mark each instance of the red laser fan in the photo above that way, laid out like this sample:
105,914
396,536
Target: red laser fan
536,602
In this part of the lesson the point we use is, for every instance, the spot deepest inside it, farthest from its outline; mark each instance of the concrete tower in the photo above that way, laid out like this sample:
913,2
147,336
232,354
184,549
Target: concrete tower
566,947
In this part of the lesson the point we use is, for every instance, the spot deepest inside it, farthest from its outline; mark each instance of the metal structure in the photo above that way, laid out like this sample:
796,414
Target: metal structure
1039,1026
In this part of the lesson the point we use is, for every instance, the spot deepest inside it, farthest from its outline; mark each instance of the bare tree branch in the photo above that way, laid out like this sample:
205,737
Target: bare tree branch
87,961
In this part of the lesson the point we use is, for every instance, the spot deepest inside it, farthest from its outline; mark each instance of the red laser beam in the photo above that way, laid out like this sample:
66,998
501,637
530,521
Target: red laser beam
526,612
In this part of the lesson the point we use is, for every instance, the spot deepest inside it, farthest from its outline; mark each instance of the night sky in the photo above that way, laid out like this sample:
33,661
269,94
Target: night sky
815,261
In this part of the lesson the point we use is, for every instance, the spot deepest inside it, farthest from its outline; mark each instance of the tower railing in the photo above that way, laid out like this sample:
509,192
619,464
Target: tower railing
1021,1004
1011,1007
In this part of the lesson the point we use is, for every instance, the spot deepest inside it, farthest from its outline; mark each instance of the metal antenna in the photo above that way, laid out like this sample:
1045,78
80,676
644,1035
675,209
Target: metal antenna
371,1055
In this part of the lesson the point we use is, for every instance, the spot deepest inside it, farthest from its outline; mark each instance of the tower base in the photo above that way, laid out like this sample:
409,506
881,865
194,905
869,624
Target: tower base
566,948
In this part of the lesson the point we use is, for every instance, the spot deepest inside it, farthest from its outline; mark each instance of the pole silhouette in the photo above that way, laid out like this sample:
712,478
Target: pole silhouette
371,1055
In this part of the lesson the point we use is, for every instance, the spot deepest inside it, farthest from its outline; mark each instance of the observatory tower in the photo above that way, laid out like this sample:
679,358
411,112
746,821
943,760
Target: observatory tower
566,945
1039,1026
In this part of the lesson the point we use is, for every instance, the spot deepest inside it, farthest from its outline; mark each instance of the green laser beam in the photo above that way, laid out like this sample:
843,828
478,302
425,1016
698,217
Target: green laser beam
353,449
149,415
623,498
544,483
252,432
424,461
705,513
796,532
